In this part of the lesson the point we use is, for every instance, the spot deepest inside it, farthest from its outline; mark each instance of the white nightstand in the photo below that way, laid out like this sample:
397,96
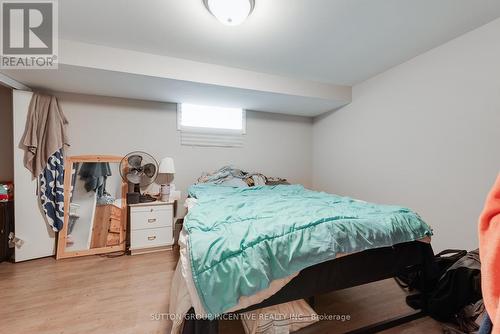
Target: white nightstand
151,227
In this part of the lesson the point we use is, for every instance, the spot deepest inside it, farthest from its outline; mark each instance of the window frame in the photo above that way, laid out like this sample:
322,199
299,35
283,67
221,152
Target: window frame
208,130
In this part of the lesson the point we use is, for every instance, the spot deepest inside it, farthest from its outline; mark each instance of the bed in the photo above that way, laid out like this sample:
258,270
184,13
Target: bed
248,248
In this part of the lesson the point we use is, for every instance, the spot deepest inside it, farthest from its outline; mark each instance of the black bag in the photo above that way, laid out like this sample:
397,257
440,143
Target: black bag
459,286
444,262
413,280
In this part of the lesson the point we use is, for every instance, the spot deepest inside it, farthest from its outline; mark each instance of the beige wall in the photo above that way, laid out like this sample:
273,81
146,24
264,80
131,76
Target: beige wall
425,134
277,145
6,143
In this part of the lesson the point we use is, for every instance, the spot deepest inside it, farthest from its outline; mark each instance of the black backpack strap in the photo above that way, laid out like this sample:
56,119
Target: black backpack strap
457,252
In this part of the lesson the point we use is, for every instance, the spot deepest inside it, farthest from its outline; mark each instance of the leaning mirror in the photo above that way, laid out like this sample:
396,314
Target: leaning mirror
94,207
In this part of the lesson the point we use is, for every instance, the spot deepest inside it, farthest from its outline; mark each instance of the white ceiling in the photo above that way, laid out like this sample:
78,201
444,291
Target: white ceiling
291,56
90,81
99,70
335,41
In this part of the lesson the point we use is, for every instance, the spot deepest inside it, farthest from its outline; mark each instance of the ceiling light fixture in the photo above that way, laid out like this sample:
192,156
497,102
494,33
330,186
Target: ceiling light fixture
230,12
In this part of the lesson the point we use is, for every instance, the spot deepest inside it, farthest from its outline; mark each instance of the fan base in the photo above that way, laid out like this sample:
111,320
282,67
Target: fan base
146,199
133,198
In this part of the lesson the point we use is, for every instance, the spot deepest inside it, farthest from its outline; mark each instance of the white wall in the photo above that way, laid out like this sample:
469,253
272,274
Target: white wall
276,145
6,145
425,134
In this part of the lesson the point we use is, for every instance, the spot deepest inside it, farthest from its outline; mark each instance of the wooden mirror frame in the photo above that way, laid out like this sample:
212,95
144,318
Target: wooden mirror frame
61,252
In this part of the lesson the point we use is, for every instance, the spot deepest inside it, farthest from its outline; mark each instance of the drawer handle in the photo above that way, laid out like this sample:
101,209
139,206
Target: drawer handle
152,238
151,220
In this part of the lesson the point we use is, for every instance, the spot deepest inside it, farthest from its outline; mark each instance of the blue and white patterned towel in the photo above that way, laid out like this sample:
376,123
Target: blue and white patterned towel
52,190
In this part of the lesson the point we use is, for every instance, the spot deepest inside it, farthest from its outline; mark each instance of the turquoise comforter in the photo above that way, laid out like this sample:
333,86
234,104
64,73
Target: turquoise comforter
241,239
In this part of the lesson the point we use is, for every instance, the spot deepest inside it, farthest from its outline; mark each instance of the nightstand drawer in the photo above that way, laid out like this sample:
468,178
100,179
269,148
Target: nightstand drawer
151,218
153,237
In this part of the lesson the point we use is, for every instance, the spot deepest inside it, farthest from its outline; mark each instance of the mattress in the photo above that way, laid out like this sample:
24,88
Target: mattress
241,245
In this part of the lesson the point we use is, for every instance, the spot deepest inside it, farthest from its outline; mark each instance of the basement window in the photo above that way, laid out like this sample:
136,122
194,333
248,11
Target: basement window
202,125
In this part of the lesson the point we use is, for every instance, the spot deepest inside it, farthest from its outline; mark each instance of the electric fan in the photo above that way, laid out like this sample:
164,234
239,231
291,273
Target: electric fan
139,169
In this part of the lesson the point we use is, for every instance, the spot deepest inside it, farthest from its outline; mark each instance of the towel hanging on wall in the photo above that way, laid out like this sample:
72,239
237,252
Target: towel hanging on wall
45,132
51,191
43,142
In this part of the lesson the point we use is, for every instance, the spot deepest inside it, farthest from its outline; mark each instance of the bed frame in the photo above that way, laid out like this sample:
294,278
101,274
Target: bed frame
345,272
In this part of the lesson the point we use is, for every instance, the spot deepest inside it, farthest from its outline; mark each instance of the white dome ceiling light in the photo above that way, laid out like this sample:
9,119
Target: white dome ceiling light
230,12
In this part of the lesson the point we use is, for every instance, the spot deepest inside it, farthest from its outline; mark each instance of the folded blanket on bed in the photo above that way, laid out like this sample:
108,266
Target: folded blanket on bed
241,239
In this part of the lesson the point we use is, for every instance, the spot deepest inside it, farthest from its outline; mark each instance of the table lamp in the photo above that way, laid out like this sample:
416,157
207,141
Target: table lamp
166,169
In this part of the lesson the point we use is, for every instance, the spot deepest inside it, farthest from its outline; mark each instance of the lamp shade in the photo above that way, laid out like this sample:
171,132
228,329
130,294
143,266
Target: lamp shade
167,166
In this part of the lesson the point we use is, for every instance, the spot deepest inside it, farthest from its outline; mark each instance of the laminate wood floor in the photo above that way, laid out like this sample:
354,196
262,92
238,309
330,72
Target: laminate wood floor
97,294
